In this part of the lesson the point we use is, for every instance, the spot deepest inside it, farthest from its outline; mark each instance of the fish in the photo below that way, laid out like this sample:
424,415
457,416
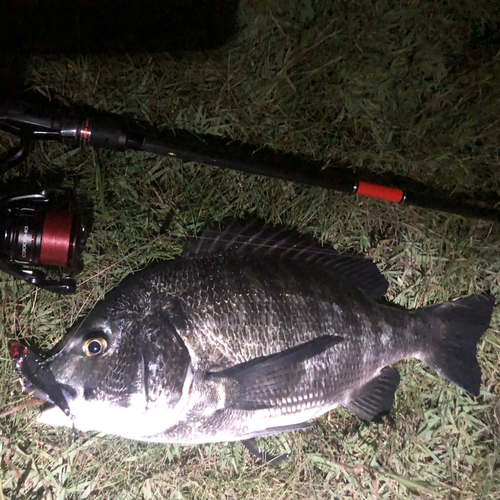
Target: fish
252,331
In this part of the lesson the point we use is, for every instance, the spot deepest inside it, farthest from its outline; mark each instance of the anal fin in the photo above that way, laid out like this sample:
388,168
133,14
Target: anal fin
376,398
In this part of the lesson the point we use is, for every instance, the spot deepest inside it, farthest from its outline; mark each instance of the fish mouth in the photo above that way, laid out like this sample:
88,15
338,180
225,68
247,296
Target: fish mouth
37,379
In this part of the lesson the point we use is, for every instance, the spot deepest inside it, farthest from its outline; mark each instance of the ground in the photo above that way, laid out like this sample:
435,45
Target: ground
409,88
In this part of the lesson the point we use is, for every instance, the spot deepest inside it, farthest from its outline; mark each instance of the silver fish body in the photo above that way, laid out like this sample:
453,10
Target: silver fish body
232,343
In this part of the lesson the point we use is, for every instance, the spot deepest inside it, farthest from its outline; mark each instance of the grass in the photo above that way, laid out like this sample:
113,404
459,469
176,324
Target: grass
408,88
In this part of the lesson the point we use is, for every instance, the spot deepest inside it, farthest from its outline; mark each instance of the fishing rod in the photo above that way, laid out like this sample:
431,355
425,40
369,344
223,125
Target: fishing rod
48,228
87,127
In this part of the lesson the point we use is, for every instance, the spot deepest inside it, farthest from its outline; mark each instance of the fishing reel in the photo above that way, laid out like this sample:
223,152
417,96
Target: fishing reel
41,230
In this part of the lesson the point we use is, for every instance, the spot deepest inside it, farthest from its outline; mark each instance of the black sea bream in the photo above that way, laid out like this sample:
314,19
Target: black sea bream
249,334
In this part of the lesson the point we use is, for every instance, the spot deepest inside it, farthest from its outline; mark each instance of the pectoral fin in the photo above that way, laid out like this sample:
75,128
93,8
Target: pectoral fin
266,381
376,397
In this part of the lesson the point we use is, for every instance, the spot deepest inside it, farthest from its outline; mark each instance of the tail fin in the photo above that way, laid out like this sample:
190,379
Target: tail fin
452,347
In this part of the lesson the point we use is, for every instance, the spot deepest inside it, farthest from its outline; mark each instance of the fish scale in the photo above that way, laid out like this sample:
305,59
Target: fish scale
281,315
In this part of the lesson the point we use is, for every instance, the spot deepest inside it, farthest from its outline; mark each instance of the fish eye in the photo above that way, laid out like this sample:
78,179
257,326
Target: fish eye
94,346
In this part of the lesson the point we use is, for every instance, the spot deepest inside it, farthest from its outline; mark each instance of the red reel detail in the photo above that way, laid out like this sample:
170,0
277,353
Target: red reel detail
56,238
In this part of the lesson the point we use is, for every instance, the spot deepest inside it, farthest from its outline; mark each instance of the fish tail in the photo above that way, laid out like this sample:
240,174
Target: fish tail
454,330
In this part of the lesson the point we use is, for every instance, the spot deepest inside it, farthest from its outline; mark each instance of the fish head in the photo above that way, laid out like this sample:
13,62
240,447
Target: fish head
102,358
119,366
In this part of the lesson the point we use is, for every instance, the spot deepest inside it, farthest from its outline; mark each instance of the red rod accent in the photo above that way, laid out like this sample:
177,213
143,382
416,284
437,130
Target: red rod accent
86,133
369,190
56,238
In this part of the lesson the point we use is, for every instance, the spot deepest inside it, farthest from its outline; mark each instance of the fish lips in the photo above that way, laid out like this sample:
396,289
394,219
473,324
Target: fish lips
37,378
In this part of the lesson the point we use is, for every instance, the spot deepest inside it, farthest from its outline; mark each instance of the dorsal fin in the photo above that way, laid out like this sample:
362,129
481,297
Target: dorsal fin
266,241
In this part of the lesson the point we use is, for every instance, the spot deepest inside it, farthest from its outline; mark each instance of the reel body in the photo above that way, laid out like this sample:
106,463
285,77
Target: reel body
41,229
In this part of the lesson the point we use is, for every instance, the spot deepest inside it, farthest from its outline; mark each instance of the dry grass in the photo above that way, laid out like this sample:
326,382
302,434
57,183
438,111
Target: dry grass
410,88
